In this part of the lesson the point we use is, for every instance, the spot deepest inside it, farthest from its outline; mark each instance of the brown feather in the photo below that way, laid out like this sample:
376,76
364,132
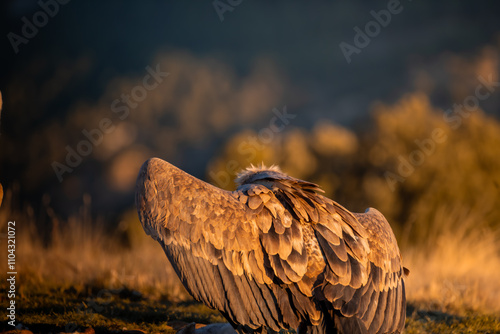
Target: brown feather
254,202
340,267
278,225
278,269
285,243
327,234
298,262
271,242
305,286
297,237
264,221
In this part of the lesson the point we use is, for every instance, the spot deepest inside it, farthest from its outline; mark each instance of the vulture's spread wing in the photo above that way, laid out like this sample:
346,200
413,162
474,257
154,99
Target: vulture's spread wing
213,238
274,253
379,306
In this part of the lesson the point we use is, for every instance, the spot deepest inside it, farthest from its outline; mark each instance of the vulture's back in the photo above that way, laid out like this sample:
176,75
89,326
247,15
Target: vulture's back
275,254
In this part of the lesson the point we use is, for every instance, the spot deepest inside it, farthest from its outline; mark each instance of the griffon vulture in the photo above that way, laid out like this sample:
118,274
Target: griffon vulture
275,254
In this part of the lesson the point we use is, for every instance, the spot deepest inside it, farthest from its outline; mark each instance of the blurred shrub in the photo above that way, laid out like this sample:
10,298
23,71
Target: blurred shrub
412,164
296,151
458,169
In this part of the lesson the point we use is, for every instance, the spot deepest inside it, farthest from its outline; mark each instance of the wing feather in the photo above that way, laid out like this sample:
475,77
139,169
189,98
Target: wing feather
285,244
338,265
271,242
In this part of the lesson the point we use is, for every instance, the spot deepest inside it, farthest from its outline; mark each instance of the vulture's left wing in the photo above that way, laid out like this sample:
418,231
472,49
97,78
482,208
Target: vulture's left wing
228,248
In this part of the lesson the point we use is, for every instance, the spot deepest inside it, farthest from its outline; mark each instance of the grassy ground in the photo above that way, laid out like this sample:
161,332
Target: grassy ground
59,308
106,310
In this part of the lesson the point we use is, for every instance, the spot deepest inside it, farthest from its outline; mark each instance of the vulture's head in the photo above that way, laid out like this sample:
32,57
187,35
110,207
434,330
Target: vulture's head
253,173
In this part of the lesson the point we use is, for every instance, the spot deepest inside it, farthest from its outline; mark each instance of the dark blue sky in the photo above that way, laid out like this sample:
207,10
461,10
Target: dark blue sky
302,38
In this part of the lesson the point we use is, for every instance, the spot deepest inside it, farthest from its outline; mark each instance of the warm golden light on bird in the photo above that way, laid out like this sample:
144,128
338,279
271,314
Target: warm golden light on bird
275,254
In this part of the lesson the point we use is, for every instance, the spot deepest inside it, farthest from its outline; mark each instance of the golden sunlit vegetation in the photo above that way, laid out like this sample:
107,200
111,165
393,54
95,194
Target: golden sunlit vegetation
434,173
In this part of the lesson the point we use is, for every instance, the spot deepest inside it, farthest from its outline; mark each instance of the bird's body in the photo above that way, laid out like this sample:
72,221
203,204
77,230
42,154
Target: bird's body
275,254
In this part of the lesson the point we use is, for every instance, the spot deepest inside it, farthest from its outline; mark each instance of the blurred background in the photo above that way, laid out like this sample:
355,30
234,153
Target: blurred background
403,116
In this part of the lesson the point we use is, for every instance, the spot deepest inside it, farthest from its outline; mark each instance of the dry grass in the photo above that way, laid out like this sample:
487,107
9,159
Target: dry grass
456,269
82,253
